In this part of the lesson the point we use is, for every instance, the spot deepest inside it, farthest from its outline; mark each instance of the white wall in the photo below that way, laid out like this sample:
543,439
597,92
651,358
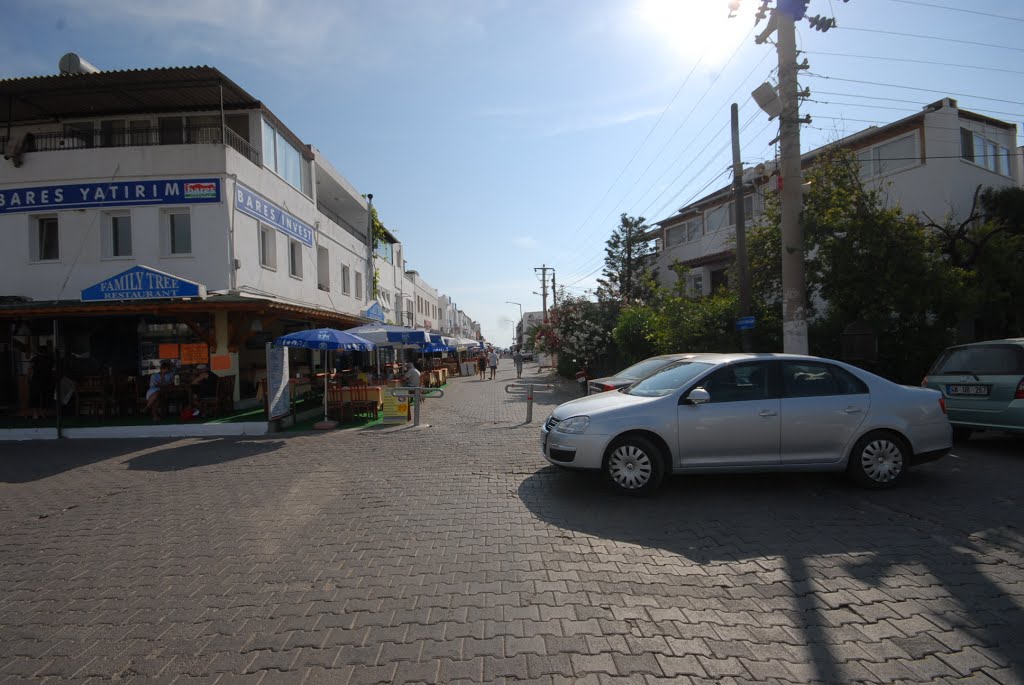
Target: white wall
81,262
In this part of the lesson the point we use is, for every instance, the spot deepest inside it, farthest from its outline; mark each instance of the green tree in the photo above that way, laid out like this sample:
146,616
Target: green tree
865,262
634,333
627,276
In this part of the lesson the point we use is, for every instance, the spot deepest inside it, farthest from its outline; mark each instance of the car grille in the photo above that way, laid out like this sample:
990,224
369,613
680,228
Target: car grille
551,423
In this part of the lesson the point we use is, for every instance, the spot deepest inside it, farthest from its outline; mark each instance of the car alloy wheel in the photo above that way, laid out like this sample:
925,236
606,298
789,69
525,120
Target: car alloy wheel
633,466
879,460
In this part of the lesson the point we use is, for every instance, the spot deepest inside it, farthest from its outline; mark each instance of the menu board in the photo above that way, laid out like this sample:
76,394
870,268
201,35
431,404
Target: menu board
168,350
396,409
278,389
195,353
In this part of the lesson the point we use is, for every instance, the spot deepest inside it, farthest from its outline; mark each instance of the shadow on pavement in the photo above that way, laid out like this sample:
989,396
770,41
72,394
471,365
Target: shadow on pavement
906,539
27,462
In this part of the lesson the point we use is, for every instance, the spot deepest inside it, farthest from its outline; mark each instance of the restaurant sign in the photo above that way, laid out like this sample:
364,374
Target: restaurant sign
374,312
111,194
255,205
142,283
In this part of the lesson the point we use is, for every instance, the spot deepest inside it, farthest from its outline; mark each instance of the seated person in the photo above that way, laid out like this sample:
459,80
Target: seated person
204,387
155,395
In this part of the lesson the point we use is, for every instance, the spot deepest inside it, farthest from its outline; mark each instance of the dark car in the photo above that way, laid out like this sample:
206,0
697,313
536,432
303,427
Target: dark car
631,374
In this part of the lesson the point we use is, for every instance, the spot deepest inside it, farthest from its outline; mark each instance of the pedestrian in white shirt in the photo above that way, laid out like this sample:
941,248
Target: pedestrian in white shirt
492,361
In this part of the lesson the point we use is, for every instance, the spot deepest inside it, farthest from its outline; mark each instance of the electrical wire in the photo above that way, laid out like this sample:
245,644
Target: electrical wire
923,90
944,39
915,61
958,9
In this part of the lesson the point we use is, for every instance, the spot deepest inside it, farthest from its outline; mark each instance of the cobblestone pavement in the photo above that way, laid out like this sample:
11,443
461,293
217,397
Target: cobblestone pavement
452,553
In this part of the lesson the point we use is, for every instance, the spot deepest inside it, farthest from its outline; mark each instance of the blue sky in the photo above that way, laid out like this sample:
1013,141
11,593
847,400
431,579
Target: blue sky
497,136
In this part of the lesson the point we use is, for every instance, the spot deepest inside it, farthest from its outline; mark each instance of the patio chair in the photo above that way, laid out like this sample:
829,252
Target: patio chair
223,402
360,405
93,396
334,401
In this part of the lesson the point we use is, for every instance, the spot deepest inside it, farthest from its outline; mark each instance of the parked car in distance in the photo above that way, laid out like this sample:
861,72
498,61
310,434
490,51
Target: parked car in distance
631,374
527,355
714,413
983,384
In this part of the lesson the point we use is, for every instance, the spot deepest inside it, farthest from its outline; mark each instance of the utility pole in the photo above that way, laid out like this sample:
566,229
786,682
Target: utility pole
741,230
554,292
794,290
543,269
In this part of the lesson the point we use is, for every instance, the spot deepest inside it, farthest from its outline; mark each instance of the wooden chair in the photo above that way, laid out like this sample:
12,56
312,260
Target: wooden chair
334,401
223,402
360,404
93,396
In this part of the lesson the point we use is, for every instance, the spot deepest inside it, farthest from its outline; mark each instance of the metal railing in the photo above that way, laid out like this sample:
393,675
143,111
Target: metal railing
135,137
417,394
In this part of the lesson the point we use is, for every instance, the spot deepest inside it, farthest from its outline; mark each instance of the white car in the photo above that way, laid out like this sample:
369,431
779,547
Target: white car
713,413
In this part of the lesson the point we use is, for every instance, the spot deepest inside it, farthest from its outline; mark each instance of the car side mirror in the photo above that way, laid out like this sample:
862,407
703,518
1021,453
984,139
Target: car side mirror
698,396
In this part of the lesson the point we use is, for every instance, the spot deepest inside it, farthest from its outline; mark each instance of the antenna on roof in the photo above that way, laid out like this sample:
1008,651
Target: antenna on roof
73,64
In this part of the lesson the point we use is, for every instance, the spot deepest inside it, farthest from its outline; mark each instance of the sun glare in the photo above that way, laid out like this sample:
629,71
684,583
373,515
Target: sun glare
689,29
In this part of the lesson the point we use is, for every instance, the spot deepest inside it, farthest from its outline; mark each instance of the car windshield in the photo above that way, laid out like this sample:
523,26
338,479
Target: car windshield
668,380
641,369
983,360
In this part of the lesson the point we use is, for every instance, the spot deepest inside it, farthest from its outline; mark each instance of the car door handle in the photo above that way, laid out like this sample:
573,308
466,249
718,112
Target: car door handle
767,412
852,410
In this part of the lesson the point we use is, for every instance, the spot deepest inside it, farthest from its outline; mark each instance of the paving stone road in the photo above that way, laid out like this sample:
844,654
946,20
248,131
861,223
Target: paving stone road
453,553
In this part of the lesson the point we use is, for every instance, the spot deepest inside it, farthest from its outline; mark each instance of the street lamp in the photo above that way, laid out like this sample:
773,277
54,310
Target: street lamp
515,338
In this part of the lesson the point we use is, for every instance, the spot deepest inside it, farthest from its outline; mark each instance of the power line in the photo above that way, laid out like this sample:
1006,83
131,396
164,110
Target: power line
958,9
922,36
923,90
915,61
905,109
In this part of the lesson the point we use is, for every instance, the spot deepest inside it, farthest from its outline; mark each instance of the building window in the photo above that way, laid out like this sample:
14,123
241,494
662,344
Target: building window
284,159
117,235
695,284
177,230
45,240
385,251
889,157
323,270
268,247
985,152
748,211
686,232
346,286
359,285
295,258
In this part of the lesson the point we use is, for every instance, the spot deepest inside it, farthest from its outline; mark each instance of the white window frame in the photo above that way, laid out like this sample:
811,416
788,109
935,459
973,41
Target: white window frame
346,277
267,236
994,156
34,241
323,268
876,158
109,219
167,232
295,259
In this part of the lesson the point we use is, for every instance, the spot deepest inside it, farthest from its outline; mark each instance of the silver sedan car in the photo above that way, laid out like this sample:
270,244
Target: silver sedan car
714,413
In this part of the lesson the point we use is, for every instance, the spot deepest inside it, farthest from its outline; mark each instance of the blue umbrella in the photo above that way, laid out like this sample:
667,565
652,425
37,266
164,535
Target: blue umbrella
388,334
325,339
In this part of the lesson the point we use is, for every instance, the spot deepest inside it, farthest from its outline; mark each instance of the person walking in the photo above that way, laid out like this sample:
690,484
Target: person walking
517,358
481,364
492,361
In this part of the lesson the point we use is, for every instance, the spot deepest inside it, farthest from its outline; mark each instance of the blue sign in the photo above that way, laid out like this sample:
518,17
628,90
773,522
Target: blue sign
112,194
142,283
745,323
255,205
375,312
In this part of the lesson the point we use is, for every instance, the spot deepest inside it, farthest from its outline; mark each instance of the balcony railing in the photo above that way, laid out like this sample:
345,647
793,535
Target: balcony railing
136,137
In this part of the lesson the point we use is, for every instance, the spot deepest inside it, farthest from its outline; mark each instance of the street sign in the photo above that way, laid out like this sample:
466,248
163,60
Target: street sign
745,323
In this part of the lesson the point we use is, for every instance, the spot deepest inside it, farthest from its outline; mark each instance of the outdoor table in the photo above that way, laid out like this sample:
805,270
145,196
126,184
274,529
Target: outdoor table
373,392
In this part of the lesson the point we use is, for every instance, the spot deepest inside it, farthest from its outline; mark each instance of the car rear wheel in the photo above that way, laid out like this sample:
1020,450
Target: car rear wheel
879,460
634,466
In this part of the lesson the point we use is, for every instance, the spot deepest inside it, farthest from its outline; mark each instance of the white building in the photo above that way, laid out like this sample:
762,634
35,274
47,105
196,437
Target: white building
931,164
232,229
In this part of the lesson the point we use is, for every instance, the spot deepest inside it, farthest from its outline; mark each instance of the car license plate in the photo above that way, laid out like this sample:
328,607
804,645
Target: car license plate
981,390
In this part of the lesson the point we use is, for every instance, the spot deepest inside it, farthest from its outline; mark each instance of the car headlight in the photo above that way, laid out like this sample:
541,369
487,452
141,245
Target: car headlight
575,424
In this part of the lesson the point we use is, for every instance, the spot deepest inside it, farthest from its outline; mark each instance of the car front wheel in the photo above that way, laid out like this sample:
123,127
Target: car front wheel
633,466
879,460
